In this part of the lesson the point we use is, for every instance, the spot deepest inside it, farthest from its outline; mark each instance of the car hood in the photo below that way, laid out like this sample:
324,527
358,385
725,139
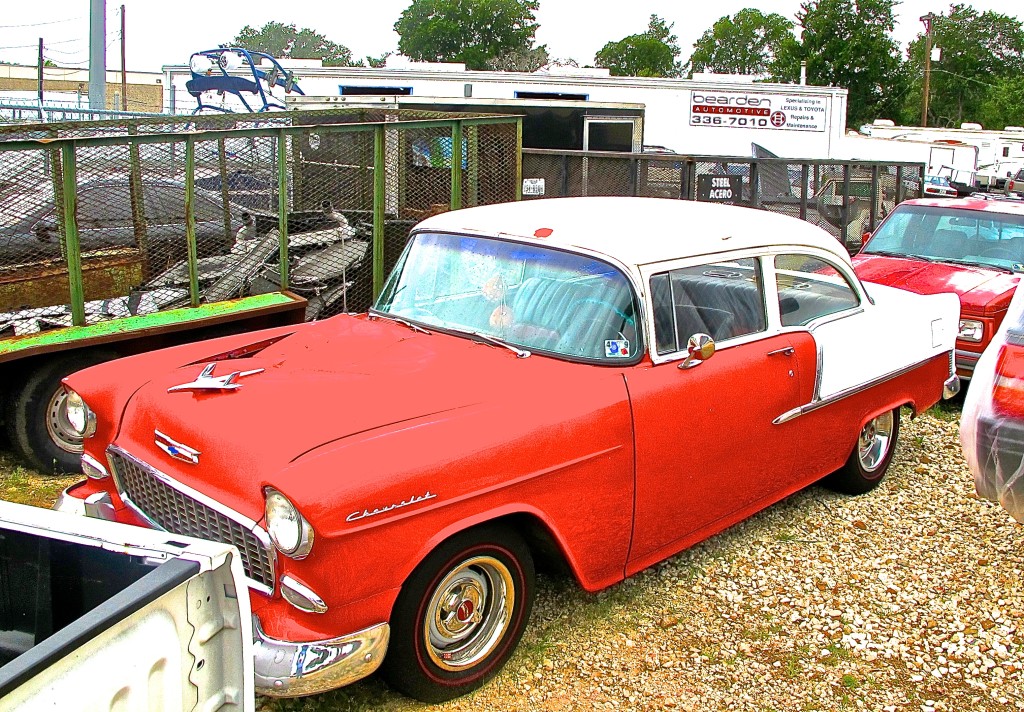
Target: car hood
330,381
981,290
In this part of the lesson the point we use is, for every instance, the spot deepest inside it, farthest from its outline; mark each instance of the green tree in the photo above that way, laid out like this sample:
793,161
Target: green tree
849,43
280,40
1004,104
982,54
653,53
746,43
519,60
469,31
377,62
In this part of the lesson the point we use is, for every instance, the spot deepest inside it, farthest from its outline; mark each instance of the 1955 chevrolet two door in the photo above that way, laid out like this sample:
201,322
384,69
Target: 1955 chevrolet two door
600,381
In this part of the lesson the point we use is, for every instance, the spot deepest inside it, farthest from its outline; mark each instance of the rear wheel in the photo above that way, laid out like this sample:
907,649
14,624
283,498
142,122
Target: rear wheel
460,614
37,421
871,456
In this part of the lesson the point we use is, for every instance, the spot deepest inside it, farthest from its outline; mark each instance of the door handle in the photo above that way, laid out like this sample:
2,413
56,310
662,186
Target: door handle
787,351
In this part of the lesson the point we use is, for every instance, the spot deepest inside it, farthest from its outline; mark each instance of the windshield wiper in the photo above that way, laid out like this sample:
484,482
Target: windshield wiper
986,265
521,353
391,317
888,253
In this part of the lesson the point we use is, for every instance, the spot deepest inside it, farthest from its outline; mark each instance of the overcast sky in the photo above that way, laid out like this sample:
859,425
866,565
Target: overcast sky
160,33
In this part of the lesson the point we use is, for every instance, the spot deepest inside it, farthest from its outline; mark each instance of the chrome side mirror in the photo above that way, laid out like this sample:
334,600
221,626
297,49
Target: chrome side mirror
699,349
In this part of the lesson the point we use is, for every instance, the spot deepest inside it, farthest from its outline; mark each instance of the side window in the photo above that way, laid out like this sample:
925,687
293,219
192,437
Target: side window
810,288
722,299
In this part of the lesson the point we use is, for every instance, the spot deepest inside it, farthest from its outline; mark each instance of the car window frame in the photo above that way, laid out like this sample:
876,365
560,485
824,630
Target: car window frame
845,270
647,271
628,272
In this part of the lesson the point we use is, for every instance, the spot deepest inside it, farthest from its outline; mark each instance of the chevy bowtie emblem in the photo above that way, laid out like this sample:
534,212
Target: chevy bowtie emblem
206,381
175,449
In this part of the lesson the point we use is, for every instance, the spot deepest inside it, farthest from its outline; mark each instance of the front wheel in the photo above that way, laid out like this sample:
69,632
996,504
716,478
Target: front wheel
37,421
460,614
871,456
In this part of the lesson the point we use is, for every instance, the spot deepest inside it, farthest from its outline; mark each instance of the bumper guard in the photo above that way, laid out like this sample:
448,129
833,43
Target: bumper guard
285,669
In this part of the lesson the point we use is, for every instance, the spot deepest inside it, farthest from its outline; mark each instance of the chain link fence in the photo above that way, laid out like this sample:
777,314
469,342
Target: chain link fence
846,198
101,220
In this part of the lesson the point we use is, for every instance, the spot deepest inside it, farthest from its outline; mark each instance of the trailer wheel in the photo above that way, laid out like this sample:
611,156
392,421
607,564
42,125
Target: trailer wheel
37,422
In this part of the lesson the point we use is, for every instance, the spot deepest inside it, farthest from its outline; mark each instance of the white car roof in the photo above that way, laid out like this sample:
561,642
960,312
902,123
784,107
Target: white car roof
636,231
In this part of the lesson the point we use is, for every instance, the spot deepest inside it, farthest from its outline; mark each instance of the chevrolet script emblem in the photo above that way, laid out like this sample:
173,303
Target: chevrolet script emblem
175,449
206,381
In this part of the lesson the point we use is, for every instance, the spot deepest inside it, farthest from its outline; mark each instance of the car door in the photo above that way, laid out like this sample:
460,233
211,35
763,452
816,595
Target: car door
706,445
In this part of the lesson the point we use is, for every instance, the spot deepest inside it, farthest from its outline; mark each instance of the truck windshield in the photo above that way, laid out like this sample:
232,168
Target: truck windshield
534,297
979,237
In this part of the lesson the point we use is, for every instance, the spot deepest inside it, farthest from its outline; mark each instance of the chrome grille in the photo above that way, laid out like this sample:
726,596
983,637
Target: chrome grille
152,494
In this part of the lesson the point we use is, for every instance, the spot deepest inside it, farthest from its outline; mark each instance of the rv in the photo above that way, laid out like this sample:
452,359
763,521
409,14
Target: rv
1000,153
954,160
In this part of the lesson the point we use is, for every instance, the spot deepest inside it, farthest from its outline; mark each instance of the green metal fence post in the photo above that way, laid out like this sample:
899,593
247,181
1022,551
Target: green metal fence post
53,157
190,220
135,196
378,210
519,159
74,252
282,202
225,196
456,201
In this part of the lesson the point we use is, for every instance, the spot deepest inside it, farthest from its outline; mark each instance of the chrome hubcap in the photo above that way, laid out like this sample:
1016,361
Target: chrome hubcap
57,425
469,613
875,441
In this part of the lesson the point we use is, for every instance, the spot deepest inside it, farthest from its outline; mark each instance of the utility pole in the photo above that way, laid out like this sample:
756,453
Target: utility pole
124,80
927,20
97,54
39,79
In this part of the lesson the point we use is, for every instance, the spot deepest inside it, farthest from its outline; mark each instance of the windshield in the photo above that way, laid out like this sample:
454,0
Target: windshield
983,238
530,296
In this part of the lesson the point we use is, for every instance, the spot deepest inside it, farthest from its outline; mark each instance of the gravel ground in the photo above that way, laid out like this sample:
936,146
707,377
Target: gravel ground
907,598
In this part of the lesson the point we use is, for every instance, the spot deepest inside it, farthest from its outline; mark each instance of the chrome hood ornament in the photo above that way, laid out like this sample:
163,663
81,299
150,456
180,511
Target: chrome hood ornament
175,449
206,381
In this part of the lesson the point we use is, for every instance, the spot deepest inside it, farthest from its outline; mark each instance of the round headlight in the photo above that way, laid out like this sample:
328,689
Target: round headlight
81,419
289,532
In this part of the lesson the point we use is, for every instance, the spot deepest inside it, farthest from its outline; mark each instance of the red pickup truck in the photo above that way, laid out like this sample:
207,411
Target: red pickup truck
971,246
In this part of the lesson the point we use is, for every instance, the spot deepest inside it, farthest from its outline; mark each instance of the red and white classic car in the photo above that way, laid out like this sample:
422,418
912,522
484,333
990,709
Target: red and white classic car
600,381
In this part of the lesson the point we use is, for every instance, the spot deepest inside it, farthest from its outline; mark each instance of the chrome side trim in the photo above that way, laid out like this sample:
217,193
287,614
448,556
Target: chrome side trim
821,321
241,519
287,669
814,405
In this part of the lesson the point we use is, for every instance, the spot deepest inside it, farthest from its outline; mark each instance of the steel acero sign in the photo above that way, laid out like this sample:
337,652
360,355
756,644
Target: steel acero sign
744,110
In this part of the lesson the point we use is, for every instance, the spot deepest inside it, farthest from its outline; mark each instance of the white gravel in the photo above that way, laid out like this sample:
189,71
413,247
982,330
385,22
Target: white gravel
907,598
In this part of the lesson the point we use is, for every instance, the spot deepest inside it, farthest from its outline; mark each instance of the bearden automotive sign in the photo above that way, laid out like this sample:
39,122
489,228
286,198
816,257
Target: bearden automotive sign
758,111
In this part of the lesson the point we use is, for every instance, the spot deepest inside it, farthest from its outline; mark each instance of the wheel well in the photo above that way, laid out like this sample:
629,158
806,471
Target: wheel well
544,547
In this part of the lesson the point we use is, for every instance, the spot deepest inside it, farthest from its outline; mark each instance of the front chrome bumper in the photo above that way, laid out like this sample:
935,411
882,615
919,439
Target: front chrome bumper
286,669
951,387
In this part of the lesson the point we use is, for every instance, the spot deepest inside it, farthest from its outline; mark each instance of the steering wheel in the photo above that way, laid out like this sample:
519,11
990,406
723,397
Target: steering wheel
999,253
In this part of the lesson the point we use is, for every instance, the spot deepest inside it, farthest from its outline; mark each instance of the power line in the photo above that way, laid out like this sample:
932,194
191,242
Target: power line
37,44
40,24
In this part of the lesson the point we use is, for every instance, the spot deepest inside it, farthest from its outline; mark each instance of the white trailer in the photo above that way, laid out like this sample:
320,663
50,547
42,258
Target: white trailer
695,117
954,160
1000,153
